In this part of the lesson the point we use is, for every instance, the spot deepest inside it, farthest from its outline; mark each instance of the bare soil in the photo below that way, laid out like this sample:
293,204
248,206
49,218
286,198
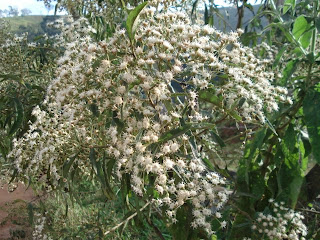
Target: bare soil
14,220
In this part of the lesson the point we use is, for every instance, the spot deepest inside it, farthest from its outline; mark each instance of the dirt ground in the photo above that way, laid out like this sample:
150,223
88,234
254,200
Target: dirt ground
14,221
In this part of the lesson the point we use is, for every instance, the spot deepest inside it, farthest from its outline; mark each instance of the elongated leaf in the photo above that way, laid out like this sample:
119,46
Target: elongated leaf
271,127
250,153
30,213
318,24
101,174
118,122
19,116
257,186
288,71
292,173
67,165
256,144
206,14
4,77
175,133
93,159
311,112
307,147
132,19
209,96
218,139
208,164
287,5
194,7
279,56
234,114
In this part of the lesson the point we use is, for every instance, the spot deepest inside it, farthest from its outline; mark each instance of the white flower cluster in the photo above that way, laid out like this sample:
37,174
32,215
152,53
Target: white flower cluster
282,223
38,233
138,102
16,55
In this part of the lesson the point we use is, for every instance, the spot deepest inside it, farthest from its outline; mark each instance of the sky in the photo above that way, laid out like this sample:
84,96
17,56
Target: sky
38,8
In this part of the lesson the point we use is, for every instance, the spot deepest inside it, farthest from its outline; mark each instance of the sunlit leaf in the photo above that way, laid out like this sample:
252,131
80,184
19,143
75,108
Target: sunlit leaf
287,5
305,39
300,26
131,22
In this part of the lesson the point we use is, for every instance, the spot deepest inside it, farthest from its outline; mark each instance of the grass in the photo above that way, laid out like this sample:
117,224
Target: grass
25,21
228,13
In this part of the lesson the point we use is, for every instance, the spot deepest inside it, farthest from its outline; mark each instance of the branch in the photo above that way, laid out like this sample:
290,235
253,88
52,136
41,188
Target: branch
125,221
308,210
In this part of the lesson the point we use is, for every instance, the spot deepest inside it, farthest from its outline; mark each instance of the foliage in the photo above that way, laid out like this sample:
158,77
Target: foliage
275,162
27,70
59,216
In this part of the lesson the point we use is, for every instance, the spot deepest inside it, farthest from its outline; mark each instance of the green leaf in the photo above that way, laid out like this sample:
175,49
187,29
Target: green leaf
272,183
218,139
300,26
234,114
287,5
175,133
30,213
305,39
182,230
311,112
279,55
292,173
19,116
271,127
206,14
307,146
194,7
249,6
94,109
4,77
250,153
101,174
120,124
67,165
208,164
318,24
209,96
132,20
93,159
290,138
256,144
288,71
214,237
257,185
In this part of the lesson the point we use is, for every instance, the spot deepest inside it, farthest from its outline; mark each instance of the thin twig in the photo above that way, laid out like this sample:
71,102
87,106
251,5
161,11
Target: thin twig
242,212
308,210
125,221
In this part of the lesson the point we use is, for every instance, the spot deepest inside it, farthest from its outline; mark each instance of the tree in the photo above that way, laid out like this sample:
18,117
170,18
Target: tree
3,13
13,11
25,12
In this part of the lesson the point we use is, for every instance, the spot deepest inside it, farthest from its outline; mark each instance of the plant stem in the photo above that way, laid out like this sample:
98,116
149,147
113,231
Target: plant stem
126,220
